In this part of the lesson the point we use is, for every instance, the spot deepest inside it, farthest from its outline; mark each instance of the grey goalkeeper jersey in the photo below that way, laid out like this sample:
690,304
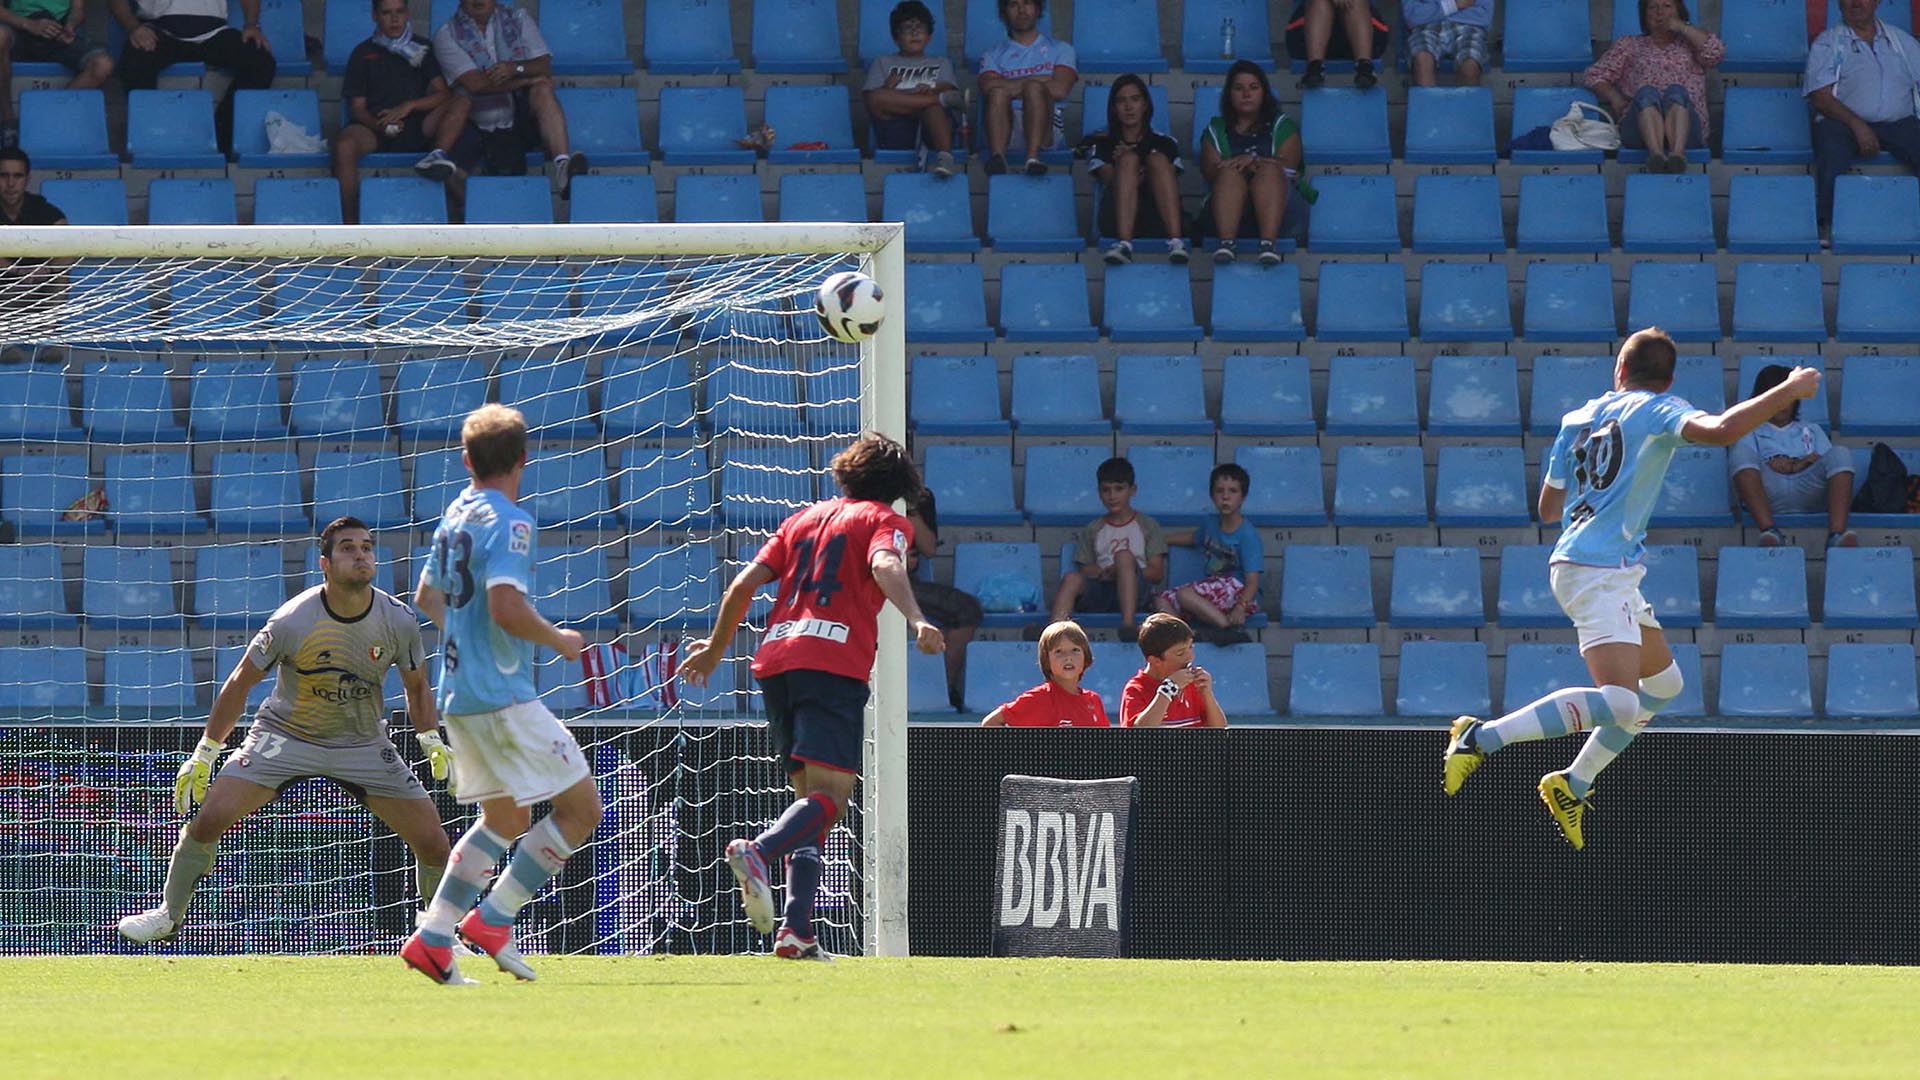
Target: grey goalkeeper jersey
330,668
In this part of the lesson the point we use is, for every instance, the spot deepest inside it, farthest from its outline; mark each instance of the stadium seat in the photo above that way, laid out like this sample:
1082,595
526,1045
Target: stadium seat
284,24
1878,302
999,671
1450,126
946,303
211,298
191,202
1872,215
235,400
1538,107
402,200
1046,301
1761,587
1456,215
129,401
1326,587
586,37
1336,680
317,295
33,592
1696,493
811,114
1339,126
1700,380
439,476
1667,214
433,395
1481,487
1160,395
1765,125
1562,384
1144,302
228,657
1362,302
759,488
1109,36
358,483
1256,303
876,38
1773,215
1265,395
568,489
88,202
290,201
1877,396
551,392
975,564
509,200
613,290
37,489
66,129
927,687
1240,680
753,396
570,587
1546,35
1764,35
159,681
1024,214
1202,36
337,399
821,197
250,109
956,395
42,678
1680,298
33,404
649,397
1871,682
1436,587
1535,670
1869,588
793,37
1287,491
1562,213
702,125
257,493
1526,601
1465,302
1061,489
1765,680
1672,584
236,586
1443,678
938,213
974,484
1776,301
689,37
525,292
344,26
421,297
1473,395
1058,395
666,488
128,588
1355,215
1172,482
172,129
1372,395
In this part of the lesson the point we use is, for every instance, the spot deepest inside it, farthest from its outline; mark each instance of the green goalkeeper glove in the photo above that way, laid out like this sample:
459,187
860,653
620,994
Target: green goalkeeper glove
190,783
439,754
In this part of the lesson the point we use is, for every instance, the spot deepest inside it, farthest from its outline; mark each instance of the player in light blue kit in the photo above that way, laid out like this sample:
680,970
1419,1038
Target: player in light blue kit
1602,481
509,751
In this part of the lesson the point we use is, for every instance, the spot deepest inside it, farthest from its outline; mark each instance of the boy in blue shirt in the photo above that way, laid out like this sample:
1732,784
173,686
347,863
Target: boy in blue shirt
1230,591
1602,480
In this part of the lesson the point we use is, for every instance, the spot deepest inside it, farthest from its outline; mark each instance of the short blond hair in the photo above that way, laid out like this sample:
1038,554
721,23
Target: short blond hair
1069,632
495,439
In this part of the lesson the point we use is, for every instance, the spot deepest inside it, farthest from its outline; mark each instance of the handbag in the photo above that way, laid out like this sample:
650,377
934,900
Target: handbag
1578,131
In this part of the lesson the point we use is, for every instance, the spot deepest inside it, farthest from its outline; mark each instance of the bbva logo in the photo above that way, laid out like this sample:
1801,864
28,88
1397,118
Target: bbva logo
1059,864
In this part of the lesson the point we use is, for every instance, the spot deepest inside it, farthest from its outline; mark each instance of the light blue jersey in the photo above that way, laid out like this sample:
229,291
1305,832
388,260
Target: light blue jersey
483,540
1611,459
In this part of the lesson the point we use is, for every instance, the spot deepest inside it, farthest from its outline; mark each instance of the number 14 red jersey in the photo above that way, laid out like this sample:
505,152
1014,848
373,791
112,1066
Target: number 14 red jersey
826,616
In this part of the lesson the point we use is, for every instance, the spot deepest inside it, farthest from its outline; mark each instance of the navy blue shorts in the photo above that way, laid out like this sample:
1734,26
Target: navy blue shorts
816,718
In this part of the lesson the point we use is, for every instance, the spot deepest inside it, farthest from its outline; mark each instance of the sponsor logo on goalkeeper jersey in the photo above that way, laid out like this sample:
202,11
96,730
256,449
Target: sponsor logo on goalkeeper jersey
1059,869
815,628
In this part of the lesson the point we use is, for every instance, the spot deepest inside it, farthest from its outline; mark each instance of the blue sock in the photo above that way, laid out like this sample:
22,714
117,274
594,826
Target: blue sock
803,884
805,819
1579,708
540,855
468,869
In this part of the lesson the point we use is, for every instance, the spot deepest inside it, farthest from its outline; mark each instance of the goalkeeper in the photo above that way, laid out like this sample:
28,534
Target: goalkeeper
332,646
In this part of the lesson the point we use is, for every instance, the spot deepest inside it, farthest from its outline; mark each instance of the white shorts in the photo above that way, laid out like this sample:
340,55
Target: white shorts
1604,602
521,751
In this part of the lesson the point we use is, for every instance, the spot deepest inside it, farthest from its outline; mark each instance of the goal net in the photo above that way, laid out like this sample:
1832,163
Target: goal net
181,411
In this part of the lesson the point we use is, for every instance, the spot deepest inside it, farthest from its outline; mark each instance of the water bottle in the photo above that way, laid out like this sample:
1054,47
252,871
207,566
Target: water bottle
1226,38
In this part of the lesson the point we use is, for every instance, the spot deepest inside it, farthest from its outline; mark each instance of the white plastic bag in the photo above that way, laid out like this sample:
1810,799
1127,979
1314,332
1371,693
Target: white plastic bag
1578,131
286,137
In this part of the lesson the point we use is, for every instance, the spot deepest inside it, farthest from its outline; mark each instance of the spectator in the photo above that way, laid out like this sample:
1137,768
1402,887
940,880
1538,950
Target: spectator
1231,590
503,65
1115,552
1028,75
1860,79
1788,466
1250,155
48,32
398,103
31,283
163,32
1171,690
955,612
1065,656
1453,30
1362,39
1655,83
1126,156
909,93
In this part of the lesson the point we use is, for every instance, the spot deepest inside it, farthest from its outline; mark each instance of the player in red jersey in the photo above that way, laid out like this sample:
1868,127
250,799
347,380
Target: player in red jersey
837,562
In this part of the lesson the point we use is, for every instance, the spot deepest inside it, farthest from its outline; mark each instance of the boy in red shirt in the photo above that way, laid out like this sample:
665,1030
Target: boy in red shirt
836,561
1171,691
1065,656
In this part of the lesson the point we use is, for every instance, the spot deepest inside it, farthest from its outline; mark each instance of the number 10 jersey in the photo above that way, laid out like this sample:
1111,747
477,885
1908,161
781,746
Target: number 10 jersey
483,540
826,615
1611,459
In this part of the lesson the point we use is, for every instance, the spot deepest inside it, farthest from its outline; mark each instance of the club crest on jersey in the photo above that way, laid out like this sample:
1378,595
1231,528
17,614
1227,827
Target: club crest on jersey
377,653
520,538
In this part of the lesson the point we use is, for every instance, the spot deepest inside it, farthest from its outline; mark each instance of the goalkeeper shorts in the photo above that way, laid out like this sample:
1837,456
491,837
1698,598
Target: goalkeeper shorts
274,759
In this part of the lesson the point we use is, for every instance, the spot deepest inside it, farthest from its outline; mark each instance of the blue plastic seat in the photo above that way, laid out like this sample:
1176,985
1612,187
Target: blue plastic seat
938,213
1761,587
1372,395
257,493
1539,106
1455,214
1872,215
973,483
158,681
1546,35
946,303
439,476
1201,37
312,297
1336,680
172,129
793,37
1878,302
211,298
1024,214
1145,302
666,488
296,201
1562,384
1562,213
1160,395
525,292
801,114
821,197
1287,491
88,202
1877,397
66,129
1672,584
1680,298
33,404
1775,301
1765,125
509,200
337,399
689,37
1436,587
1667,214
1172,482
344,26
571,587
228,657
1046,301
128,588
586,37
1465,302
702,125
1869,588
1058,395
1355,215
191,202
1526,600
237,586
433,395
284,23
1773,215
1474,395
1535,670
999,671
1362,302
39,679
1765,680
568,489
129,401
33,593
956,395
358,483
927,687
1450,125
235,400
1481,487
876,38
1339,126
759,488
753,396
1326,587
402,200
421,297
36,489
1265,395
1696,493
250,109
1765,35
1443,678
647,396
1240,680
1255,303
1061,489
616,198
1700,380
1871,682
974,563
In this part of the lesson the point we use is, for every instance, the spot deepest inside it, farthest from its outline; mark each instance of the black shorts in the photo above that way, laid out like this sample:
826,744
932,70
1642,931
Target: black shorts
411,140
897,133
816,718
1146,217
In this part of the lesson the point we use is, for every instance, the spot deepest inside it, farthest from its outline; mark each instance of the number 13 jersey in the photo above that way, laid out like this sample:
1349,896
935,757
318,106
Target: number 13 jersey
483,540
1611,459
826,615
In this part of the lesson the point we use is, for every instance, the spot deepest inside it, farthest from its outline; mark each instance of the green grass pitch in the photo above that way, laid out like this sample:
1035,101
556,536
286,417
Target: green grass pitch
753,1016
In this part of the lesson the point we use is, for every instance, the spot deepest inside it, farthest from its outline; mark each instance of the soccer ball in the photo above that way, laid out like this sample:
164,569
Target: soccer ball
850,306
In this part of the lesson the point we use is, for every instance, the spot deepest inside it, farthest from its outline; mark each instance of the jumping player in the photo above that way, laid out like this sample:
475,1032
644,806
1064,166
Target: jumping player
837,562
510,751
332,646
1602,480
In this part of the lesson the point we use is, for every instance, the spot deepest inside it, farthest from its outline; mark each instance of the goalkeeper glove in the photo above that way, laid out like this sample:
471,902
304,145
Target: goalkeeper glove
190,783
439,754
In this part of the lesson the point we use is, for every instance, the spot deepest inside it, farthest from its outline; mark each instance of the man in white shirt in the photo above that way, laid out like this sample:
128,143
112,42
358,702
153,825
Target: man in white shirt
1031,73
1861,79
504,66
